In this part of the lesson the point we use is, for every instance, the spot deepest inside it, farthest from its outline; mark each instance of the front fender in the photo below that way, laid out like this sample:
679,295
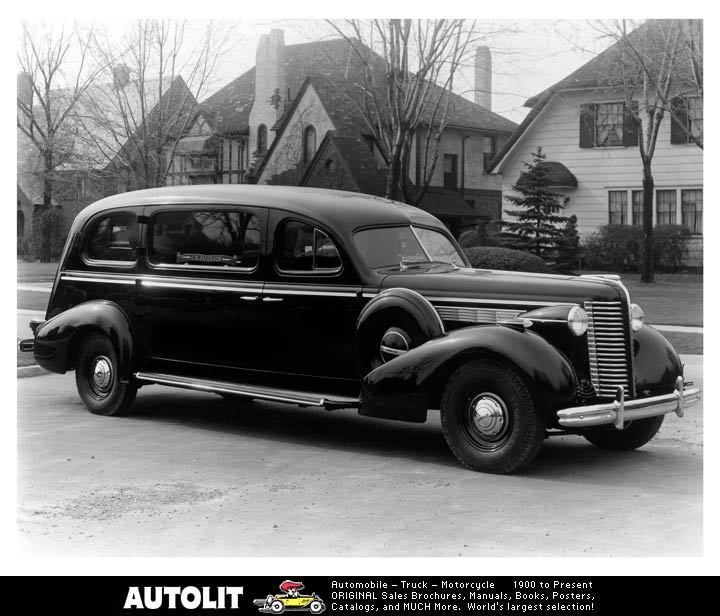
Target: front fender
418,377
657,363
56,339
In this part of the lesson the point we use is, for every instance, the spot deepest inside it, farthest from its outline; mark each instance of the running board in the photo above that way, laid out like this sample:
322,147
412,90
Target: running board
249,391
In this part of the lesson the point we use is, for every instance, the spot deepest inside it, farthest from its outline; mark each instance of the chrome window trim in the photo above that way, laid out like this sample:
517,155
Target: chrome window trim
199,268
323,272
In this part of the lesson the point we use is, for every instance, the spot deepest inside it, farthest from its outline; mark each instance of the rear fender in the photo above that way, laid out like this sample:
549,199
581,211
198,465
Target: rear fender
57,339
417,378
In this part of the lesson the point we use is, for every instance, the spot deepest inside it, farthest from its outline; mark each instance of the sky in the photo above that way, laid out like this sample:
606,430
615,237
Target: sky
528,55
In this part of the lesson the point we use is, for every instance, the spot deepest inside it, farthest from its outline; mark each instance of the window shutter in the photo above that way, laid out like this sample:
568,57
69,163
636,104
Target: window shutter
587,126
630,129
678,121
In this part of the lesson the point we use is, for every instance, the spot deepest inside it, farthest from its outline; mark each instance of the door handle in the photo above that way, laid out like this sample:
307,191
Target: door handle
272,299
249,298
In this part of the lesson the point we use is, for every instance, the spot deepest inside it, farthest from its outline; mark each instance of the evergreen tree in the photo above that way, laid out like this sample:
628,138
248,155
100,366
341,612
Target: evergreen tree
539,226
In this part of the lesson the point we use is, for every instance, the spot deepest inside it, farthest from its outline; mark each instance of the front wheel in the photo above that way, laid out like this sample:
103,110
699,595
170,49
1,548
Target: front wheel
489,418
634,435
98,380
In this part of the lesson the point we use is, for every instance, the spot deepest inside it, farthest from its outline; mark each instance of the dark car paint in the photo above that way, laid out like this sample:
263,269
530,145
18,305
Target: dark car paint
311,328
657,364
56,338
420,374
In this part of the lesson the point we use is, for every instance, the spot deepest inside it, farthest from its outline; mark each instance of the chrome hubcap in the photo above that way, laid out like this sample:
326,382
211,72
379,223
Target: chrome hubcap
102,375
489,415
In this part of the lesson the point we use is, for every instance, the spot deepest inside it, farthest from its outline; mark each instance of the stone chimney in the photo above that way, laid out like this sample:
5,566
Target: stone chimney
483,77
270,90
24,89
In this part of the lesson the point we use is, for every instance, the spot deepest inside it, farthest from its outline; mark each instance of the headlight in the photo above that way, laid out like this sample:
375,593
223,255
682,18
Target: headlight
637,317
577,320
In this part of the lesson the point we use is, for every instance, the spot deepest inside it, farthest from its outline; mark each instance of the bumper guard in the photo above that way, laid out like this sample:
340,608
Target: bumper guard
620,411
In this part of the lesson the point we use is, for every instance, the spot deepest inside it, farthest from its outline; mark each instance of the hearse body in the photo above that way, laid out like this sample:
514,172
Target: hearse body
339,300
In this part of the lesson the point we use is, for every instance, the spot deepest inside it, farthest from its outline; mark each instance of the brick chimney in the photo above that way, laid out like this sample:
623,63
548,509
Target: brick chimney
483,77
270,90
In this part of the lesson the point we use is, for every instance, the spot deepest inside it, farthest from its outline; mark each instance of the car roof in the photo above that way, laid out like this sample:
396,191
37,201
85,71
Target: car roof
335,208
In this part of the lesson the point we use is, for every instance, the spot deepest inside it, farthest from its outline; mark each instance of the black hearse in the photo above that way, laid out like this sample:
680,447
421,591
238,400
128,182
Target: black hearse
339,300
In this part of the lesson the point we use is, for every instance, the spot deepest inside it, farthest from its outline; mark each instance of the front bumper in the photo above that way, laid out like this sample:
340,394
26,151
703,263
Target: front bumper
620,411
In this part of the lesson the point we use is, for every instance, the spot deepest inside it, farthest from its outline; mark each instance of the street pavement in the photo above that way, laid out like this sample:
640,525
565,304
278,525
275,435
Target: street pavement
193,475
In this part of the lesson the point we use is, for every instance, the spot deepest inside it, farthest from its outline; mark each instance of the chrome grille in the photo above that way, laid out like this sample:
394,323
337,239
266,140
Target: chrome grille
608,345
476,315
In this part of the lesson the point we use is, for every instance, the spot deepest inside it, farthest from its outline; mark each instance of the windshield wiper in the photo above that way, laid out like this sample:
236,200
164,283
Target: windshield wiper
406,264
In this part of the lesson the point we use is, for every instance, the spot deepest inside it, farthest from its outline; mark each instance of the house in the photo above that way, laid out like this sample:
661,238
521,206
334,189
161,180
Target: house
592,152
291,120
118,137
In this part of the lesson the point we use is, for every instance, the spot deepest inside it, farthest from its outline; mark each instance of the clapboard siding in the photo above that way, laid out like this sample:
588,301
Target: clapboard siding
599,170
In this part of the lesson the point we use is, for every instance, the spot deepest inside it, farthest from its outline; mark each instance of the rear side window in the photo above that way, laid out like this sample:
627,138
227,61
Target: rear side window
113,237
301,247
219,238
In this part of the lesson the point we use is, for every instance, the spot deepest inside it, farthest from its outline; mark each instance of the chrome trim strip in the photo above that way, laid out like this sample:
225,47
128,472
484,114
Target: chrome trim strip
509,302
630,410
197,287
118,280
320,293
263,393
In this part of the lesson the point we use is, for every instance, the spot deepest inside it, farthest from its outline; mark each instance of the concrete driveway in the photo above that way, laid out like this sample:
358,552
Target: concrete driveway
189,474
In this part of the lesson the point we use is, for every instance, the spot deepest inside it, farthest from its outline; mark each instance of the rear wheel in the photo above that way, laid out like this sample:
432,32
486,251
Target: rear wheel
97,377
489,419
634,435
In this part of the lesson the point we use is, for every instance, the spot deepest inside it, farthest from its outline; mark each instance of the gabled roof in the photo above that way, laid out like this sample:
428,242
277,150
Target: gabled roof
357,159
603,72
334,60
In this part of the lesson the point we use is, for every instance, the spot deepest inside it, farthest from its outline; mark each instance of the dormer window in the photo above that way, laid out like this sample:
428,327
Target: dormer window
309,144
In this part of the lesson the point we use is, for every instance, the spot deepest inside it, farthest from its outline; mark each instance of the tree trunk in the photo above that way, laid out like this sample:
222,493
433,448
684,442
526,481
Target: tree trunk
647,272
46,219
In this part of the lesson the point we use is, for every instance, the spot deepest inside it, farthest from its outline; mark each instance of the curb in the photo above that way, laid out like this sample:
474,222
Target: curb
26,371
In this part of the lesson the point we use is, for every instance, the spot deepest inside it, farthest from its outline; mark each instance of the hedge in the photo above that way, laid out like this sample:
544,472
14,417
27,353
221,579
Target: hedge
494,257
619,248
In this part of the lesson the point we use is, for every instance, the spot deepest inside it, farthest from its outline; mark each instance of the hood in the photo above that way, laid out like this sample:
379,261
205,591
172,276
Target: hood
517,288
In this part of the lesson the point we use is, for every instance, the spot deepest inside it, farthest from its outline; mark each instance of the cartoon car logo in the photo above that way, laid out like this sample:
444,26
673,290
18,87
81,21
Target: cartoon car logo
290,599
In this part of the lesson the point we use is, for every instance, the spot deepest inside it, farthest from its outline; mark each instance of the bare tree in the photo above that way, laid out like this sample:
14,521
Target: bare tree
155,75
56,71
656,65
407,69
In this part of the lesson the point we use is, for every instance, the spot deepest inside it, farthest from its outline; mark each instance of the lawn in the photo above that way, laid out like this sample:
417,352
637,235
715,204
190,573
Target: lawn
35,271
673,299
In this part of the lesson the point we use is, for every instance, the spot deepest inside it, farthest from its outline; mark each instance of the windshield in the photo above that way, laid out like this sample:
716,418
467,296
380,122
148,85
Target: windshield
395,245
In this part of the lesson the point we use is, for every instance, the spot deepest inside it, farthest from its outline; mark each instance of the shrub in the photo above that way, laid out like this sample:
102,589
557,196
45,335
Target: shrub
493,257
619,248
469,238
615,248
670,244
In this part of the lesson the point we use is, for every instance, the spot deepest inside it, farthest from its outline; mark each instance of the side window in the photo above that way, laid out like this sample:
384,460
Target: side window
301,247
113,237
220,238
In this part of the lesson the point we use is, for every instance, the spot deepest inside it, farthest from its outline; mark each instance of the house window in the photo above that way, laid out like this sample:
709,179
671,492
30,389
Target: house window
488,151
607,125
692,205
666,207
687,120
262,139
450,171
637,207
618,207
309,143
